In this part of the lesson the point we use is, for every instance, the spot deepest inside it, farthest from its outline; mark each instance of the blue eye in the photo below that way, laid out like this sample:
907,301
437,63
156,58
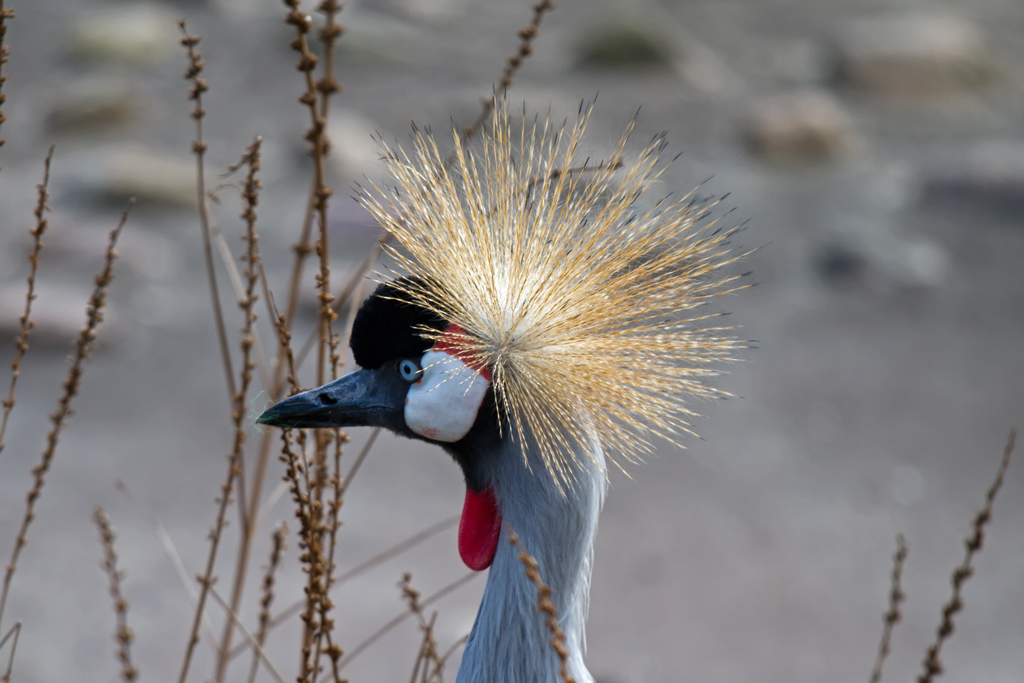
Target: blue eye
410,370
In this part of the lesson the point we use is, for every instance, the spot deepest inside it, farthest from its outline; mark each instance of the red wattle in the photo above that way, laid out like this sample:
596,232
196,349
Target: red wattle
479,529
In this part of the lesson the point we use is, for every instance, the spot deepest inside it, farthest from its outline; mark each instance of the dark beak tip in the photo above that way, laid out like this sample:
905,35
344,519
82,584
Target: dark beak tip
268,417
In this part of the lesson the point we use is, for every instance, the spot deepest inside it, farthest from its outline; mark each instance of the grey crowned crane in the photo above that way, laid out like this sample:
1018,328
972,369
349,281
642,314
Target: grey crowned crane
545,317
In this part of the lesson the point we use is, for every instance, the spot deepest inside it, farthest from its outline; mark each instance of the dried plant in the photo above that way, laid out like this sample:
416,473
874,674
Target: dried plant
83,347
276,553
427,658
544,605
5,52
13,634
932,664
512,64
893,615
42,208
123,633
406,614
250,197
195,95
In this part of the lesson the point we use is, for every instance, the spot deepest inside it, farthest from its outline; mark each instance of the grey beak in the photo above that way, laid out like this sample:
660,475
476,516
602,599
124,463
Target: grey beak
361,398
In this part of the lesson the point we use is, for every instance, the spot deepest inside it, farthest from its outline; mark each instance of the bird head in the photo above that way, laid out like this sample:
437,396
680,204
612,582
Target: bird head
548,304
416,380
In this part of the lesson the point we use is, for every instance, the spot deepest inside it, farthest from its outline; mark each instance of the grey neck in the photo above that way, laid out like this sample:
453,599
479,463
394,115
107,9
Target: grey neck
510,642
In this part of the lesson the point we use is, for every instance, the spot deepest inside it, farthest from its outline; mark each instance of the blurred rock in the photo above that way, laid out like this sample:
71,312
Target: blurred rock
807,125
148,175
624,43
419,10
95,105
139,33
799,62
885,263
988,177
377,39
917,263
354,151
58,313
914,55
841,264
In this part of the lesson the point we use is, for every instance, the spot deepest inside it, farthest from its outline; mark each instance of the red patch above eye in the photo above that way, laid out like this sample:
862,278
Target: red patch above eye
452,345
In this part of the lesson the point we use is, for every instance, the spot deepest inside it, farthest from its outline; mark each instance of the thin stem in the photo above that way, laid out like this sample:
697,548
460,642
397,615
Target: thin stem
42,208
932,665
360,569
250,195
16,633
893,615
83,347
388,627
5,52
276,553
123,633
195,94
249,637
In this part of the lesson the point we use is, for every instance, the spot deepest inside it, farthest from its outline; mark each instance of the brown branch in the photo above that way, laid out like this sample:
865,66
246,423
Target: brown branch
309,550
274,673
83,347
251,197
362,568
972,545
195,94
388,627
5,53
42,208
14,633
123,634
268,594
427,654
893,616
512,64
544,605
319,92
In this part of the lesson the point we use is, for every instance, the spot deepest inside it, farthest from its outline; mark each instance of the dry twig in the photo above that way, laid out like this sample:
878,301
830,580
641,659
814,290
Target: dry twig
427,659
195,94
14,633
276,553
173,556
250,196
544,605
388,627
123,634
893,616
248,636
42,208
512,64
83,347
362,568
932,664
5,52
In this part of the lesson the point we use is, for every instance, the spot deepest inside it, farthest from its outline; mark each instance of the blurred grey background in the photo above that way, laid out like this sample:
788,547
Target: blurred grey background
876,148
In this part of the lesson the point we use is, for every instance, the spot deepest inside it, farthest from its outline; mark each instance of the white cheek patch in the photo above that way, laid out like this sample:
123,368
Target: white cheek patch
443,404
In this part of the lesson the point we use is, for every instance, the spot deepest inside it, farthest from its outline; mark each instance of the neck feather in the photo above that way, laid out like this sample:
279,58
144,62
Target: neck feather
510,642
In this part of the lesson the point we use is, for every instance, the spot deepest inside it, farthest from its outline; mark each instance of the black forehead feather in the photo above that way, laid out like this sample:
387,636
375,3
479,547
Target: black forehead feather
386,328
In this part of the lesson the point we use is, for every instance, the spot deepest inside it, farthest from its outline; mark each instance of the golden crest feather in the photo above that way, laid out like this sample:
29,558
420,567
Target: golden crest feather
580,298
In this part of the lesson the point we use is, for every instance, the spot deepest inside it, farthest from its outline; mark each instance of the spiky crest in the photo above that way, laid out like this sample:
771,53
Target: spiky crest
581,300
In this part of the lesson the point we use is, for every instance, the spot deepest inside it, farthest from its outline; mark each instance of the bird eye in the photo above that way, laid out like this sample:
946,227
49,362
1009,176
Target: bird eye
410,370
